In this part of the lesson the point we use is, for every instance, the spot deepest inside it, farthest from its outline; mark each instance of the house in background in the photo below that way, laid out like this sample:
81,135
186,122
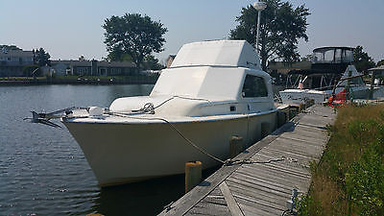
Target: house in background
13,62
92,68
170,60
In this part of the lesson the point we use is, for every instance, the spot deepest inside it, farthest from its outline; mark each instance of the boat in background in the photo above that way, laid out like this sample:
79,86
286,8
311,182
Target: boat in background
331,71
353,81
212,91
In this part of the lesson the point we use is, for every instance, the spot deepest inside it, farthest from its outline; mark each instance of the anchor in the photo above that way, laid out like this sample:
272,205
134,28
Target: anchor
45,118
41,118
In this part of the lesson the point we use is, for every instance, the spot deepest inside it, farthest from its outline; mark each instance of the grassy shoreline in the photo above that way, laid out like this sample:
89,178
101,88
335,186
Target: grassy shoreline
349,179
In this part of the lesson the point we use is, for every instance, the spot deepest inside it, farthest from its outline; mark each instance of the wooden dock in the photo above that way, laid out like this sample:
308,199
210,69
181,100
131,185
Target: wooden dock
274,167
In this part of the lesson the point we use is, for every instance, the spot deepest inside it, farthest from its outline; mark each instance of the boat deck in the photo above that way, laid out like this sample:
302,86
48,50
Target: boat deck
279,163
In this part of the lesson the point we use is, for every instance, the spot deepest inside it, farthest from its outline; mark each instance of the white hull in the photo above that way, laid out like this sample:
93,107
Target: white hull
298,96
123,153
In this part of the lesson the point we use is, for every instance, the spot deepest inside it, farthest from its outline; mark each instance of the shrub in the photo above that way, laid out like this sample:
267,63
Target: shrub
365,183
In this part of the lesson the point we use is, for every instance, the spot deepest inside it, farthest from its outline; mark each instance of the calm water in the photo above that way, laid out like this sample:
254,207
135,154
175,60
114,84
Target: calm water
44,172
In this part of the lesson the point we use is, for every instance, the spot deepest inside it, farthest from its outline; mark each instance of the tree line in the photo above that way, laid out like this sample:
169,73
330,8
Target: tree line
135,37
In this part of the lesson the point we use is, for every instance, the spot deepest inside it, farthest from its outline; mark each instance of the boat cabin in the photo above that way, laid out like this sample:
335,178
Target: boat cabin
327,66
331,59
209,78
332,55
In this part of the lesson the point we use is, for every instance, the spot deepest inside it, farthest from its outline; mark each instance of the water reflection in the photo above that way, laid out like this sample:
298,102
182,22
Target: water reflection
143,198
43,170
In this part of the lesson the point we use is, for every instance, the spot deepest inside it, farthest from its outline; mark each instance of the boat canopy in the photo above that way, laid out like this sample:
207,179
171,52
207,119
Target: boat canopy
200,82
210,69
332,55
229,53
330,61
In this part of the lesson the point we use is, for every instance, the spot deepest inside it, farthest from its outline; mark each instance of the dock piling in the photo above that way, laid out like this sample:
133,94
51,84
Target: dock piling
193,174
235,146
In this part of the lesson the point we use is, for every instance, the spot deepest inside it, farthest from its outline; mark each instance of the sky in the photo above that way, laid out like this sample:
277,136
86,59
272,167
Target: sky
72,28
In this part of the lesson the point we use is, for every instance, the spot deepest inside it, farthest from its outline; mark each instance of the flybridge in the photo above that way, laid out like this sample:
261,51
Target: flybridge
210,69
226,53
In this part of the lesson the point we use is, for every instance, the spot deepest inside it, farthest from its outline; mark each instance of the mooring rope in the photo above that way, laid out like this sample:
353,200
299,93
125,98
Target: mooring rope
150,107
227,162
175,129
250,161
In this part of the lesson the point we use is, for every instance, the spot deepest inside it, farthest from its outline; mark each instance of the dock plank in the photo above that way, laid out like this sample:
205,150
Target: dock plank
256,207
273,181
232,204
282,180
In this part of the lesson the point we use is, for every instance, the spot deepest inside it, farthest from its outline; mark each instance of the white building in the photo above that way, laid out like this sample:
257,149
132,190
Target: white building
13,62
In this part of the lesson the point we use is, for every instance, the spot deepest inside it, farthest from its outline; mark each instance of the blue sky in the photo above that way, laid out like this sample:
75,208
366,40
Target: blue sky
71,28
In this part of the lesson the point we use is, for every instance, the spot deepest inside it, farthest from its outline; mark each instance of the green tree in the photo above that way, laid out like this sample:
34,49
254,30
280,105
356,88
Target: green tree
134,35
281,27
6,48
118,55
42,57
362,60
308,57
152,63
31,70
379,63
82,58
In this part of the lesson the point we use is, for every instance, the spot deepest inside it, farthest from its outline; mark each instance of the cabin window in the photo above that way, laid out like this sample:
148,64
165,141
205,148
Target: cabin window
254,86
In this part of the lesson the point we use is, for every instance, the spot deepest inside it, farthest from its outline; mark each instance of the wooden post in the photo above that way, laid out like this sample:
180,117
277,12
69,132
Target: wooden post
293,111
301,107
235,146
193,171
310,102
288,114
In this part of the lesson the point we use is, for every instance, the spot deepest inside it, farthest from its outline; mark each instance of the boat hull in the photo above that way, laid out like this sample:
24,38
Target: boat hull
124,153
298,96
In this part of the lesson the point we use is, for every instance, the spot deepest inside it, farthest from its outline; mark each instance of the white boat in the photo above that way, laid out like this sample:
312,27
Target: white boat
329,64
354,81
300,96
212,91
351,79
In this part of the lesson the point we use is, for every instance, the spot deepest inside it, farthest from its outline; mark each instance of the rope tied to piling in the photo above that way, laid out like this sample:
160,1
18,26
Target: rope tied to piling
231,162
